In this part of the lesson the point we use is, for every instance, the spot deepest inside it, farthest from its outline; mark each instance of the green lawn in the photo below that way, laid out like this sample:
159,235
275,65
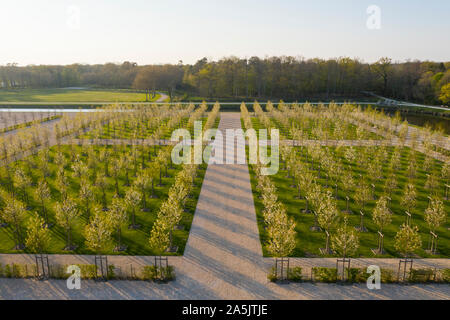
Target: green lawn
136,240
70,95
308,242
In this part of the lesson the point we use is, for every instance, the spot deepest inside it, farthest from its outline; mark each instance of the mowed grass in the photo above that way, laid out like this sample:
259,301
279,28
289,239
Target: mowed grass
71,95
136,240
309,243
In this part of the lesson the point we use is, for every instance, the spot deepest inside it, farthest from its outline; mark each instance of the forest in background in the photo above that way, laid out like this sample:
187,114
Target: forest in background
287,78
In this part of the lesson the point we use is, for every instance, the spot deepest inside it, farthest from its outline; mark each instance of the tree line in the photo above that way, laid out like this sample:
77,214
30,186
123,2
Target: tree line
285,77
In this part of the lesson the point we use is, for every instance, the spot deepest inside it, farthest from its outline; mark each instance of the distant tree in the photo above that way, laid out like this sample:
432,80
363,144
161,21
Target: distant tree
445,94
383,68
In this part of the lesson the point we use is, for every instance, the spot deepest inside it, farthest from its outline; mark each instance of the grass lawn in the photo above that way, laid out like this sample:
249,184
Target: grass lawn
136,240
309,242
71,95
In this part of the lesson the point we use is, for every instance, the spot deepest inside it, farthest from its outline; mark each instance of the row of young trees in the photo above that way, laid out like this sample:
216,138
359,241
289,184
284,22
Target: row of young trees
171,211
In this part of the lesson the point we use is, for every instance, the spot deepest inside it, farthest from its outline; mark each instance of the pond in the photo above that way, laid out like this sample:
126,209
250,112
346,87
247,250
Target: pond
423,120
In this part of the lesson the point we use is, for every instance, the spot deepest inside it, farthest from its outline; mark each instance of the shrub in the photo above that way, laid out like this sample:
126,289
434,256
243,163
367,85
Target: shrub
357,275
387,276
149,273
58,272
272,275
323,274
153,273
168,273
421,275
111,272
19,270
8,272
445,274
295,274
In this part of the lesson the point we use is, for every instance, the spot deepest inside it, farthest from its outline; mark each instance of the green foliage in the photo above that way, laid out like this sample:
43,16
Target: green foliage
156,273
295,274
446,275
421,275
323,274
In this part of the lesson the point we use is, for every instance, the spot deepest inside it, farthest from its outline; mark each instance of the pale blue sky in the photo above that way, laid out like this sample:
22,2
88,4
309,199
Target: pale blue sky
165,31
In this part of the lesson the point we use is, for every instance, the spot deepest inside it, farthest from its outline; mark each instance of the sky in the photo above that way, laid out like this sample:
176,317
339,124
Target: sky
166,31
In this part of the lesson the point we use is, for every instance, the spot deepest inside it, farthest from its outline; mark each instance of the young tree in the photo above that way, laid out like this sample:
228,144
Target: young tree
133,199
79,169
327,213
363,194
126,162
281,234
21,182
382,216
432,183
14,212
159,239
66,215
43,194
101,183
435,216
116,166
62,183
141,183
98,231
409,197
391,184
38,237
86,194
345,242
171,212
407,240
104,157
118,216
